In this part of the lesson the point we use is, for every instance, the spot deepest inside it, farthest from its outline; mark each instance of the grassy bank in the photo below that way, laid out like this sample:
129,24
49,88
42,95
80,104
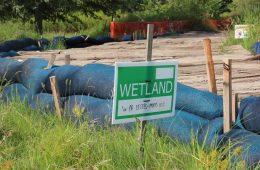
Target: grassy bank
85,26
247,43
34,140
245,12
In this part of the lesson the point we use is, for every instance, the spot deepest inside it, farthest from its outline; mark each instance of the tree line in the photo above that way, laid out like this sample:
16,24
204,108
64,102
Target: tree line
37,11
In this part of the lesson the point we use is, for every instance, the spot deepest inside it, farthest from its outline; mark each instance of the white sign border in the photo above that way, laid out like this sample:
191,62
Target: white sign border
144,63
244,29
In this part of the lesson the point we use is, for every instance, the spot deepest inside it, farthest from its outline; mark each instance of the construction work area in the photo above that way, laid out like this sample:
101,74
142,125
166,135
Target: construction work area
186,48
80,84
144,84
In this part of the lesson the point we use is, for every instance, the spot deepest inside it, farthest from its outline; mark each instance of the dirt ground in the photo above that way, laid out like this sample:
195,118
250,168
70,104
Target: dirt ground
187,49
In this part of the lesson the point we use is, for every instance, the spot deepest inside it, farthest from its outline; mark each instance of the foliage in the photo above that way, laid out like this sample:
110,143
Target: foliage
15,29
38,140
178,10
59,10
86,26
245,12
216,8
81,16
247,43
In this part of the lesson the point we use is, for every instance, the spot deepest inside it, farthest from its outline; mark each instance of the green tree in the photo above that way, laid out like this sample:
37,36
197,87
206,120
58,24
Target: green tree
115,8
39,10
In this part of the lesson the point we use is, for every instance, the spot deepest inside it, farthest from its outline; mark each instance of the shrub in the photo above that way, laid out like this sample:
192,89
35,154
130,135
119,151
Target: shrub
178,10
245,12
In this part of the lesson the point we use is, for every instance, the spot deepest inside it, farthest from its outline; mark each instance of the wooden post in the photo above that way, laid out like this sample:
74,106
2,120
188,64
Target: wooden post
138,35
227,94
150,28
210,66
51,61
67,59
144,34
56,96
234,107
149,44
135,36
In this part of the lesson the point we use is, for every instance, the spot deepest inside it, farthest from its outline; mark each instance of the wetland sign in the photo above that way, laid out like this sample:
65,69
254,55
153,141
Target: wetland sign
144,90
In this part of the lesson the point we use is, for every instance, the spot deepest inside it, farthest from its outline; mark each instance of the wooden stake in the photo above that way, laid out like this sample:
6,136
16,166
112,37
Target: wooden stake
234,107
134,35
51,61
56,96
149,44
210,66
227,95
67,59
150,28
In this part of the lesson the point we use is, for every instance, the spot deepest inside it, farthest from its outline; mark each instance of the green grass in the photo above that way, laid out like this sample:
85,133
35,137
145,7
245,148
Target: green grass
247,43
152,11
35,140
14,29
193,10
245,12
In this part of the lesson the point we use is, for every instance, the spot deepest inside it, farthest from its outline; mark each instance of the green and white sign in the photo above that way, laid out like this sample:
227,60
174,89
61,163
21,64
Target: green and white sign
144,90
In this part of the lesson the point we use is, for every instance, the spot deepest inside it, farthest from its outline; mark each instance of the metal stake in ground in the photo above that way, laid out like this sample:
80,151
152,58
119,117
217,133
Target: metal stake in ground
149,48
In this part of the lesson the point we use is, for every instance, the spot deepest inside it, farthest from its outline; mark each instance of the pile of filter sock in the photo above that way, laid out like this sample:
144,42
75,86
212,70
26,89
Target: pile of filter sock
89,88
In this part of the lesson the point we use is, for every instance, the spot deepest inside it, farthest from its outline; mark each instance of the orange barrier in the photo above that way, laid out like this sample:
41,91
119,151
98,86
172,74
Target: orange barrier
118,29
218,24
224,24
